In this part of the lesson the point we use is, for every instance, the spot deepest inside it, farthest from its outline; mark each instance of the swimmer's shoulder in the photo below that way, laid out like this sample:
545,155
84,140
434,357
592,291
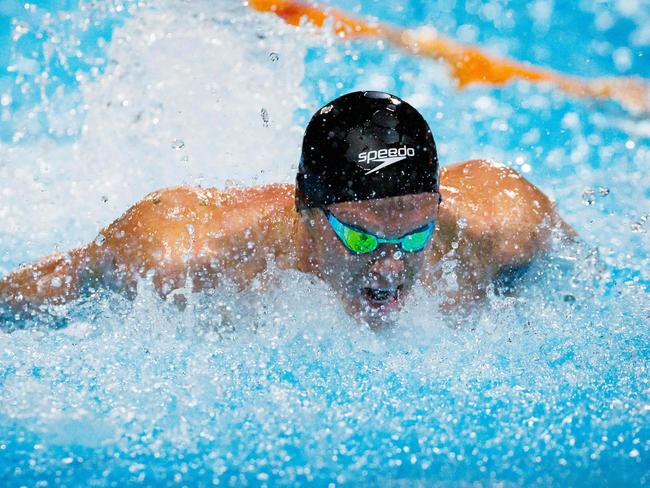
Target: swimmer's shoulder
191,198
169,212
190,204
170,226
495,205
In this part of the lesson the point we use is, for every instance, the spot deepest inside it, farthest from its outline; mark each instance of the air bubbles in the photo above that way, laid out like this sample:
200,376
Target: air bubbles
178,144
639,226
589,196
20,29
265,117
636,227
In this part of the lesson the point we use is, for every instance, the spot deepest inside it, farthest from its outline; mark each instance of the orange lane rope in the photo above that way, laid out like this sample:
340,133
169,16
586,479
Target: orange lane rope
468,63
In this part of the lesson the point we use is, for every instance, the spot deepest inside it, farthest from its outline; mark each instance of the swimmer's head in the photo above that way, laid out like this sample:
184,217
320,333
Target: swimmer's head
367,193
362,146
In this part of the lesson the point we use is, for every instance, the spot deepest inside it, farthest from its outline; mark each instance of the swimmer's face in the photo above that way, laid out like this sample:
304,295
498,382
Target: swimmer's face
374,284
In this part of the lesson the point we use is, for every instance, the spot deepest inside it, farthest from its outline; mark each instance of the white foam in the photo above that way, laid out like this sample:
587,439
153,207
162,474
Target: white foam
203,77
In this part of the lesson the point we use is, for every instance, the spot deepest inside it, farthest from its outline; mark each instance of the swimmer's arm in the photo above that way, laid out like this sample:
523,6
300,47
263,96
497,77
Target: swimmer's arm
51,281
153,240
498,220
524,223
184,240
139,242
179,239
507,219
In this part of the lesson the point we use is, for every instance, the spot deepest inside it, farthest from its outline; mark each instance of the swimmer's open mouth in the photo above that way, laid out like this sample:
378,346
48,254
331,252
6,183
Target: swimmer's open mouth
383,297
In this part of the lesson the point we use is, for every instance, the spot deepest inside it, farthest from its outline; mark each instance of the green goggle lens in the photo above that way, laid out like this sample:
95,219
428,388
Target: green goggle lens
360,242
416,241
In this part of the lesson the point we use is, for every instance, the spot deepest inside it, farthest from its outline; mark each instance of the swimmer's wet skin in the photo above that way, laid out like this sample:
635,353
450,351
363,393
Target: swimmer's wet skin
371,214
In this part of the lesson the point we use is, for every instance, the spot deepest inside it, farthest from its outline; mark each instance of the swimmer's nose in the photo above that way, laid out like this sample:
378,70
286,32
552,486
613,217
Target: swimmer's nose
388,270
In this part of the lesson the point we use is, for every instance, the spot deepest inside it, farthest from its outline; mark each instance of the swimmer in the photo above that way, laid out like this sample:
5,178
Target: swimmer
371,214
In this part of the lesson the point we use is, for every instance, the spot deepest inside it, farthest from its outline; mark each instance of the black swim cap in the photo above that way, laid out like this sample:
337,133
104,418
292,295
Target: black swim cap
362,146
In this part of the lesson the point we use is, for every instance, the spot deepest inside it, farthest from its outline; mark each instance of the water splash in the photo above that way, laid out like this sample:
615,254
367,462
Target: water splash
543,385
256,383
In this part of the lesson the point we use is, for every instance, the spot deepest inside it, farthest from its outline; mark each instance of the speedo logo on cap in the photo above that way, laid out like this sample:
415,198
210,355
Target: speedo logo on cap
385,157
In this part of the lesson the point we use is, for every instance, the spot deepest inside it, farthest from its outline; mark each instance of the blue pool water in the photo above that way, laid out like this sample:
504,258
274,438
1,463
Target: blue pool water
103,102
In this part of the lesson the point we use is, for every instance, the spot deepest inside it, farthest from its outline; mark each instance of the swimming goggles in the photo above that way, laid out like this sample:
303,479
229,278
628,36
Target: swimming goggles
359,241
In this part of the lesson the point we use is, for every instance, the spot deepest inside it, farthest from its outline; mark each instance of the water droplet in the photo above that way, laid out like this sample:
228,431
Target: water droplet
274,57
397,255
603,191
639,225
265,117
178,144
589,196
569,299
